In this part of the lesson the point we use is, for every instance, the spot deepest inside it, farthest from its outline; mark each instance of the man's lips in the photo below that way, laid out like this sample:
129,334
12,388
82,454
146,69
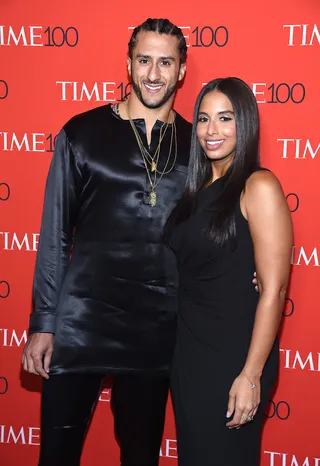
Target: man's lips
153,88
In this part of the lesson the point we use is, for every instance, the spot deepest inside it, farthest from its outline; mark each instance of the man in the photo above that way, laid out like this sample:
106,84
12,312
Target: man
110,306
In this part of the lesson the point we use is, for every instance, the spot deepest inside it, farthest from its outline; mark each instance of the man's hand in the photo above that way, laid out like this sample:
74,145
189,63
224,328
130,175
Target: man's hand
37,354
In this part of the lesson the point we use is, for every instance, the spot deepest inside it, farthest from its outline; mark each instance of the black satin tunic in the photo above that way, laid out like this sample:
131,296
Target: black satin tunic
112,305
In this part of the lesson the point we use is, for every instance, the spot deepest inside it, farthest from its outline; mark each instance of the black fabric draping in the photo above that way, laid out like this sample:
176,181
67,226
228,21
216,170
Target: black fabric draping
112,303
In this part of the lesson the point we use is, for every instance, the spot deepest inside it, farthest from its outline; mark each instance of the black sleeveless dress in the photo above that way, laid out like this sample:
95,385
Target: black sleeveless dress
217,305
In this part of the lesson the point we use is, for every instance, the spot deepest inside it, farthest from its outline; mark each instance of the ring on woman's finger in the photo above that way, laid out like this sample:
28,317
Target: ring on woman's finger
245,418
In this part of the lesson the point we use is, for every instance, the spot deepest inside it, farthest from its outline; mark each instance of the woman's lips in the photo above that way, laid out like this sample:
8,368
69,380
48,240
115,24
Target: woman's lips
214,145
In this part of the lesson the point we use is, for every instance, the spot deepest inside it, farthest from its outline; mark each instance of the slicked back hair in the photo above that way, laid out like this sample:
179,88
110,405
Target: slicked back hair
160,26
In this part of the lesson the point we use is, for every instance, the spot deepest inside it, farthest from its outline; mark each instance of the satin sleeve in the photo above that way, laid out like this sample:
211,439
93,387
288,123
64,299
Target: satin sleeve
60,209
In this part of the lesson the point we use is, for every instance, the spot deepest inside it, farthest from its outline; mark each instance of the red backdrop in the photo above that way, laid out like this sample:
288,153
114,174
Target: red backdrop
61,58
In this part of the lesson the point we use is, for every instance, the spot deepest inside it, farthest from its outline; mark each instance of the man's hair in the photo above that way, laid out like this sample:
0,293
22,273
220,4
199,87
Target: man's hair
160,26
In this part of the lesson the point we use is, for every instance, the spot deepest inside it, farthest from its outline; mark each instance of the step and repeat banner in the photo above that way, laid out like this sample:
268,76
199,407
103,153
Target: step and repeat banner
61,58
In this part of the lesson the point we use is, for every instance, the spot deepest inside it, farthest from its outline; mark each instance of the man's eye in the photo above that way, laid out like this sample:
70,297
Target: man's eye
143,60
165,63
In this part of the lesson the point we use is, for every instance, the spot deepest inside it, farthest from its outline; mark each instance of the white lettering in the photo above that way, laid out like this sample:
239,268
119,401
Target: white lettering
295,462
99,91
291,33
187,37
308,147
285,146
35,241
168,449
105,395
304,34
299,362
64,91
24,143
33,36
316,33
15,142
272,455
15,241
297,148
5,336
33,39
256,92
33,436
14,437
292,460
14,337
84,90
304,30
35,142
287,355
303,364
8,434
6,238
15,39
20,244
105,91
303,255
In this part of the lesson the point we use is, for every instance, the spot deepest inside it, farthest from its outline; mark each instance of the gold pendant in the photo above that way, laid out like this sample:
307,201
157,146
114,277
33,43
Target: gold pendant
153,198
153,166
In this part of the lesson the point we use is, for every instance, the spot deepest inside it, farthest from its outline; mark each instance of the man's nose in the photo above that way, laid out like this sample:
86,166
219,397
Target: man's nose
154,72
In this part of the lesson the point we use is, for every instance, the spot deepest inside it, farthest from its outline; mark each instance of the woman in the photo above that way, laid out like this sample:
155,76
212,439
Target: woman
232,219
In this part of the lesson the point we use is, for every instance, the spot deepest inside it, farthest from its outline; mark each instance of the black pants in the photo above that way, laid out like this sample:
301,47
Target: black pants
138,404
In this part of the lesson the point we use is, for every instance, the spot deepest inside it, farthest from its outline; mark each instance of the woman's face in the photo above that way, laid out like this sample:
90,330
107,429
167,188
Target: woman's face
216,126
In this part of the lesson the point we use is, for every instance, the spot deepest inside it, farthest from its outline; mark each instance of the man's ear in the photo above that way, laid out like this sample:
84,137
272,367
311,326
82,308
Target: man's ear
129,66
182,71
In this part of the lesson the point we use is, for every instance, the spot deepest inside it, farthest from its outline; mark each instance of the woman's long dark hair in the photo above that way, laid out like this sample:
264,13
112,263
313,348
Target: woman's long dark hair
245,162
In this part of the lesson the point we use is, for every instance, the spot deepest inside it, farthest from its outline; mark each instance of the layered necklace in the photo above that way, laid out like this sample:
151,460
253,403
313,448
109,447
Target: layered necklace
151,162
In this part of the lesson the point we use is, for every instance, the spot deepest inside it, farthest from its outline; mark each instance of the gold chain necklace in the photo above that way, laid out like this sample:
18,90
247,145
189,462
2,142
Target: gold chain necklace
152,160
154,183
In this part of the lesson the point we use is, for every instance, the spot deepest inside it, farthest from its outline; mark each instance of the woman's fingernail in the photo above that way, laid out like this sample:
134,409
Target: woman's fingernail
228,414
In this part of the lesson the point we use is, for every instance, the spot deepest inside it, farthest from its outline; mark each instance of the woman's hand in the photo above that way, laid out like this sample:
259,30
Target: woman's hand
243,401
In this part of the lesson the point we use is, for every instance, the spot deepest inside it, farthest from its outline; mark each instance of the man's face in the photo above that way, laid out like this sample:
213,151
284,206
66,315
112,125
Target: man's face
155,68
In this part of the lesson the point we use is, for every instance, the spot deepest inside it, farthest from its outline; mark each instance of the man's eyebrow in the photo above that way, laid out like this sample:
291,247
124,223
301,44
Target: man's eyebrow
140,55
168,58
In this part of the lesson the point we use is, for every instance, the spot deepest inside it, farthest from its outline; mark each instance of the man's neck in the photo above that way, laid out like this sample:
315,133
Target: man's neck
135,108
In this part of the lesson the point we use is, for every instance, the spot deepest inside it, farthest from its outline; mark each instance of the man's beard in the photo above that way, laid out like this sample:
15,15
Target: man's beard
169,92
